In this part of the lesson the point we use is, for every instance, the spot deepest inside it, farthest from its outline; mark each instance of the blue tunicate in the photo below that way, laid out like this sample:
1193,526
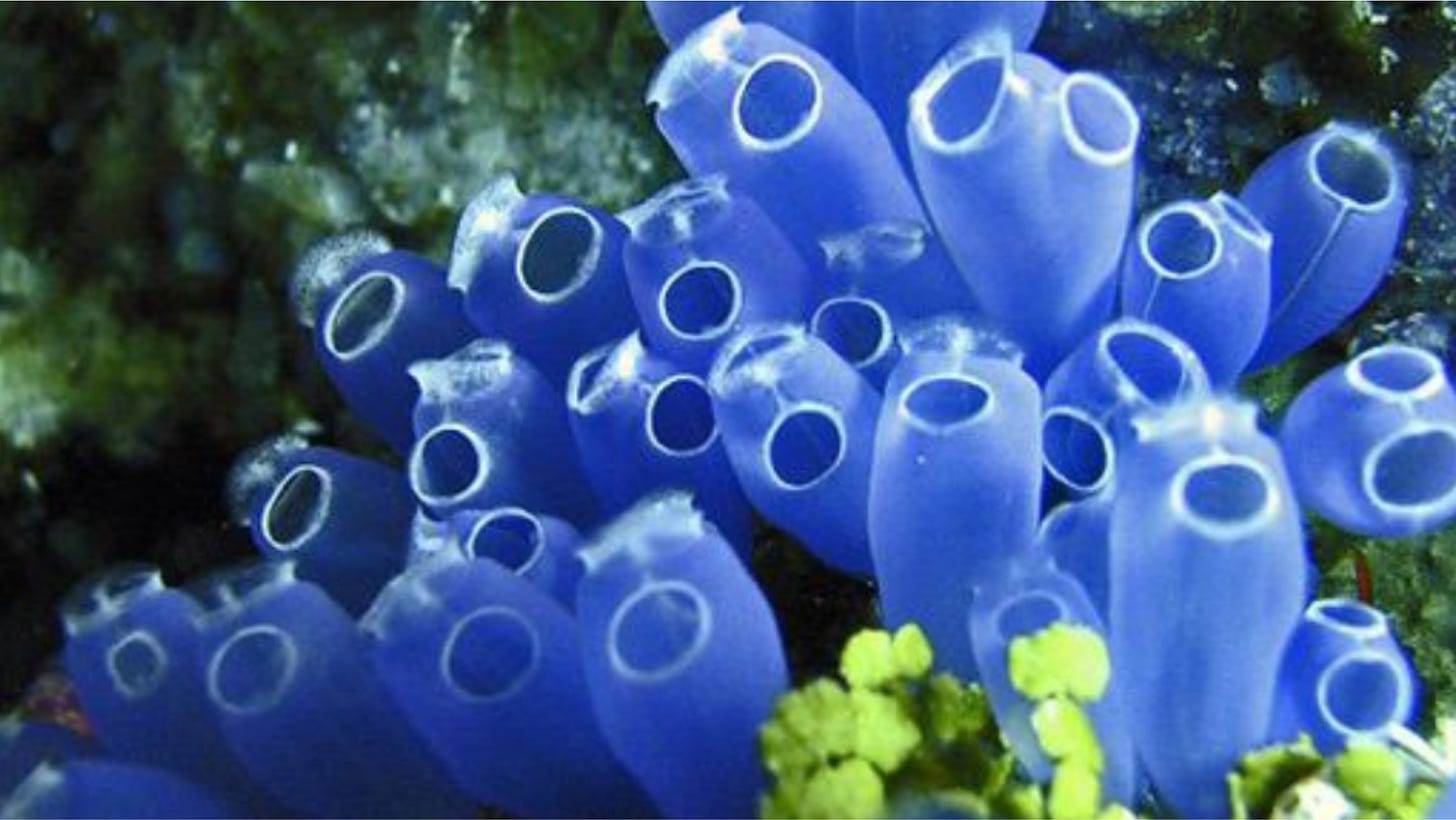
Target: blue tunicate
1128,367
487,669
371,321
1335,202
798,423
26,744
642,424
290,682
1371,444
344,520
492,431
704,261
1200,268
1028,174
956,485
538,548
828,28
1208,582
134,653
1022,602
785,127
900,265
861,332
682,656
111,790
1343,678
543,272
1076,536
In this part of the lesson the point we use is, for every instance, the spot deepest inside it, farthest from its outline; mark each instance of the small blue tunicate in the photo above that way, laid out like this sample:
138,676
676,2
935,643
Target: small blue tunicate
539,548
1076,535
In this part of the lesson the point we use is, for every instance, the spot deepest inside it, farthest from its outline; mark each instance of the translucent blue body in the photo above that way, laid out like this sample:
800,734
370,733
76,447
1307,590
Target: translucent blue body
1371,444
1208,582
798,423
342,519
861,331
1343,678
1335,202
106,789
487,669
26,744
539,548
900,265
788,129
1128,367
492,431
954,491
682,657
134,653
703,262
1200,268
290,682
1028,174
828,28
643,424
387,311
1020,604
1076,536
543,272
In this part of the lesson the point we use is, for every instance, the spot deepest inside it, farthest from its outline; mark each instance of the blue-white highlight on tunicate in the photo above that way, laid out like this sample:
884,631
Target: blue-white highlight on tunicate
108,790
902,266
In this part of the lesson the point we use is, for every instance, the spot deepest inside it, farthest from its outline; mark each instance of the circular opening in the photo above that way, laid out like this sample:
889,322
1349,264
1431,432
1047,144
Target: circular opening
778,102
1354,170
1146,363
363,314
1361,693
511,538
1414,469
804,446
252,670
1225,495
659,630
558,254
1396,371
126,584
1028,615
295,511
1348,616
964,105
944,401
449,462
489,654
137,664
701,301
1181,244
1076,449
1098,117
857,329
680,416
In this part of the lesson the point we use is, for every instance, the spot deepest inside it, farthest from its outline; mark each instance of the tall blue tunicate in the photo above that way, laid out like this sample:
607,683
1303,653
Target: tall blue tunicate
291,684
374,312
543,272
111,790
1023,601
1371,444
344,520
487,669
900,265
861,332
1028,174
134,653
1128,367
682,656
798,423
896,43
26,744
828,28
539,548
1208,582
1335,202
1076,535
643,424
1200,268
705,261
747,101
1343,678
492,431
956,485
